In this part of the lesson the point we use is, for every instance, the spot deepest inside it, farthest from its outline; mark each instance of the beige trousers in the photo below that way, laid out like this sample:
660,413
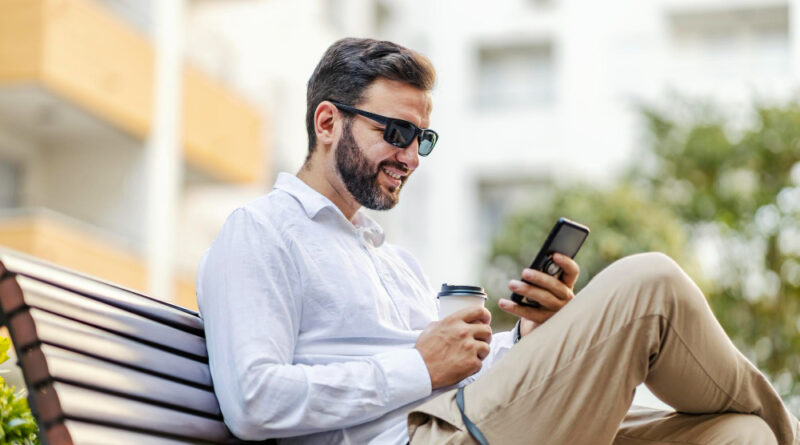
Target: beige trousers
571,381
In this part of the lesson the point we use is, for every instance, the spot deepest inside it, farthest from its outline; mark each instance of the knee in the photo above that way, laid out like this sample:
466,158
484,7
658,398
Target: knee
655,278
655,267
650,268
748,429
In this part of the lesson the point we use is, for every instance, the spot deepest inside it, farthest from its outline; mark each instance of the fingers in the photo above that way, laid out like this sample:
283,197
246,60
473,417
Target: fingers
570,268
476,321
482,332
538,294
483,350
473,314
544,281
536,315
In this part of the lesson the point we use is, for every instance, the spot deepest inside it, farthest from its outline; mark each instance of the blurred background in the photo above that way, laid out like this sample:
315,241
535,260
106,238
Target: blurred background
129,129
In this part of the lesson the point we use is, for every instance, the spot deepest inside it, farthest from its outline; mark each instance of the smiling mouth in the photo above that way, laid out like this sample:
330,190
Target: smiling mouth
393,175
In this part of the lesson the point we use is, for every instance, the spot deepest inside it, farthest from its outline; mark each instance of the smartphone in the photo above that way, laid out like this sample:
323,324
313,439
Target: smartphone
566,238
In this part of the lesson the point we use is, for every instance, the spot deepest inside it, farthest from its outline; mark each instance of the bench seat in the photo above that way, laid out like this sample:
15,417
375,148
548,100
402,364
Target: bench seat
107,365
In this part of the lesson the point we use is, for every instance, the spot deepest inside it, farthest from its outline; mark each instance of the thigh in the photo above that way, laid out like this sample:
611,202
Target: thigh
644,426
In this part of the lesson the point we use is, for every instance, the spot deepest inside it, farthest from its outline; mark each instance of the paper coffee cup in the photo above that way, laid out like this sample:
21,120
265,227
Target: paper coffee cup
453,298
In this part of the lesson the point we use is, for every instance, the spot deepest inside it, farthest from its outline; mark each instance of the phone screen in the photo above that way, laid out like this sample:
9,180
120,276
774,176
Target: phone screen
568,240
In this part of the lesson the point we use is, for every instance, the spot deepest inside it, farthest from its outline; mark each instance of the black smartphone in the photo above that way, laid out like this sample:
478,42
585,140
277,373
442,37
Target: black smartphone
566,238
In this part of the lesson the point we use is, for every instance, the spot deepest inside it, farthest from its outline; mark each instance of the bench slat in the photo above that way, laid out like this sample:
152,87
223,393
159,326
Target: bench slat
76,306
34,325
61,400
101,290
105,364
73,432
46,363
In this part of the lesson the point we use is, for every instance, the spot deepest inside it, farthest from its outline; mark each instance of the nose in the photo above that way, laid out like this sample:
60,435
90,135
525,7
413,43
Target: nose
409,156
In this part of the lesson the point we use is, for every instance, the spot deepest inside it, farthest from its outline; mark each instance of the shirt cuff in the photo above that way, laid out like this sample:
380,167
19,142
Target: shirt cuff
407,377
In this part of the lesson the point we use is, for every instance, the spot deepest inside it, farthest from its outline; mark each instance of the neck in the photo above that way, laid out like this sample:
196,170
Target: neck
328,183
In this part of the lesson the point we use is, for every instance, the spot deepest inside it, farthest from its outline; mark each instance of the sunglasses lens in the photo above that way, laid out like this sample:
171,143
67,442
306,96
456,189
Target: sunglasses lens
399,133
427,141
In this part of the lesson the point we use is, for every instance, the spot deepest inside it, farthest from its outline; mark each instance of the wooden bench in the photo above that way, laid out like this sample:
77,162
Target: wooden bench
107,365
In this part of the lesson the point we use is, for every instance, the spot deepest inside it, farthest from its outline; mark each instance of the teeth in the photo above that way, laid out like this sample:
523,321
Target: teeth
395,176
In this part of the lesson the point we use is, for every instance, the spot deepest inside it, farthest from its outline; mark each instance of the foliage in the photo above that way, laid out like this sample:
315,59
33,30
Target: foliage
17,425
721,194
738,185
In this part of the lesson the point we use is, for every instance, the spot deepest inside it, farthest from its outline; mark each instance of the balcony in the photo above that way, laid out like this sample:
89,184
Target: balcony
79,246
74,59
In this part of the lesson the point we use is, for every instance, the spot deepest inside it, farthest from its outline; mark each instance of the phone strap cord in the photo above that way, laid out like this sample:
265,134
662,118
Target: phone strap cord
471,427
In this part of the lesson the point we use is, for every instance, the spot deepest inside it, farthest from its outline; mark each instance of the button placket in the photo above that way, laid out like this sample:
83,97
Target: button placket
386,278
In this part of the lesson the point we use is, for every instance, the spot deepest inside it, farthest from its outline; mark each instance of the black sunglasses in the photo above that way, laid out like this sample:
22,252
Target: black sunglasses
398,132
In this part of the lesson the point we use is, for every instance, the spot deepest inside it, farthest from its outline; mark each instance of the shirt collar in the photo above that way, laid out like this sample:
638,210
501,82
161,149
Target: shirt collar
313,202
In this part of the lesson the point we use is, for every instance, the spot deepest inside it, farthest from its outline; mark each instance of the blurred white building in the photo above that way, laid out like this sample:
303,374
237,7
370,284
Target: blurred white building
529,91
98,168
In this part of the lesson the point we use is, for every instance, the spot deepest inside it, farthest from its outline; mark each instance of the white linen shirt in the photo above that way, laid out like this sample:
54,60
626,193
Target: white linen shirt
311,322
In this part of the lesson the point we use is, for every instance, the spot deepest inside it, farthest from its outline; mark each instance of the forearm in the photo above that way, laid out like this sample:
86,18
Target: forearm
273,400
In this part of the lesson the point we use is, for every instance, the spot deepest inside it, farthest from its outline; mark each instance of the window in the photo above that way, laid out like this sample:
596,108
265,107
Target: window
499,198
542,4
519,75
741,43
9,185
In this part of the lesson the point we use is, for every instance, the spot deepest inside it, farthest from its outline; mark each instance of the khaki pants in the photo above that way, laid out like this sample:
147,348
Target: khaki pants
571,381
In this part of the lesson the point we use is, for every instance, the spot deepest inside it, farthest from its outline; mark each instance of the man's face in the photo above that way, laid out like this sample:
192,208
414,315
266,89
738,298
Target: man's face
372,170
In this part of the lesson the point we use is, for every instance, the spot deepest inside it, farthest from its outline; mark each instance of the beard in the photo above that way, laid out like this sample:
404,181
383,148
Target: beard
361,178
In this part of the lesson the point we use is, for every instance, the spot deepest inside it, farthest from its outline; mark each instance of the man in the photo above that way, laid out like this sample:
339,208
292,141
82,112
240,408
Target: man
321,332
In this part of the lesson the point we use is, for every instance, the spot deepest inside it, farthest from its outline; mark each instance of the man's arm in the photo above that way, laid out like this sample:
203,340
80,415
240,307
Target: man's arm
247,291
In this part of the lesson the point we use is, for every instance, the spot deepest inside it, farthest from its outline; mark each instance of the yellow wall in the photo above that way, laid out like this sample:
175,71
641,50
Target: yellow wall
83,53
73,248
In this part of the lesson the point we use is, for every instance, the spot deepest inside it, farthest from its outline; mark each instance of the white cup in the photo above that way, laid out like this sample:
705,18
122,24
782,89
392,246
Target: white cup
453,298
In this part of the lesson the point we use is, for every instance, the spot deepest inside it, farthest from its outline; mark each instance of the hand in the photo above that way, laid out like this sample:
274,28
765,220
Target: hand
454,347
552,293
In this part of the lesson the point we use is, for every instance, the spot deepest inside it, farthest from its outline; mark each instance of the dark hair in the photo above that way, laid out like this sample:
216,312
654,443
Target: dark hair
350,65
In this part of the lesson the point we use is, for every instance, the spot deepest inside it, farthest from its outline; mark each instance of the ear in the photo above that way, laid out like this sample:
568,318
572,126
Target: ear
325,117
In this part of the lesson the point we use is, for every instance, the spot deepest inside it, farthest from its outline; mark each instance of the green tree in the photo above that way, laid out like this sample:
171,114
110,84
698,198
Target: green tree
737,187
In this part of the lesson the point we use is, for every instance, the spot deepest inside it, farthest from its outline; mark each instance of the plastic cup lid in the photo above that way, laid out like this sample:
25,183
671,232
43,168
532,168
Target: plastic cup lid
462,291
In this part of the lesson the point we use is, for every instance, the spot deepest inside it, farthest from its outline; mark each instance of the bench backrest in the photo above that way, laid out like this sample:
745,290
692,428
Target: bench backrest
104,364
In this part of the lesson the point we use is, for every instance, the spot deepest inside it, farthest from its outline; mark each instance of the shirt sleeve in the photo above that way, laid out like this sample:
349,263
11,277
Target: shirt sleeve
249,293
